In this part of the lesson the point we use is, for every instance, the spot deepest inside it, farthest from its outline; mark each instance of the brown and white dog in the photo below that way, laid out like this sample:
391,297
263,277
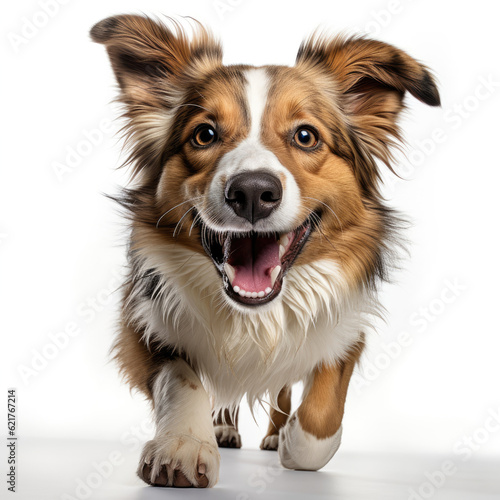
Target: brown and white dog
258,234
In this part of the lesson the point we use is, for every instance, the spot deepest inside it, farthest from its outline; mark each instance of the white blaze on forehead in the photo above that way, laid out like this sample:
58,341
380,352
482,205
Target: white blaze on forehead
251,155
257,90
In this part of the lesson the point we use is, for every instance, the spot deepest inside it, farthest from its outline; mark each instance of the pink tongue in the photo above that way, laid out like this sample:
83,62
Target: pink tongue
253,259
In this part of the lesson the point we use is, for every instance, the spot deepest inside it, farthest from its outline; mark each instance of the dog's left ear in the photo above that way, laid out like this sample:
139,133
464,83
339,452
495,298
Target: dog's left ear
369,80
362,67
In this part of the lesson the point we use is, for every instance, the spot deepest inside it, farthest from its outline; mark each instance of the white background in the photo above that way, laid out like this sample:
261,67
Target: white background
61,243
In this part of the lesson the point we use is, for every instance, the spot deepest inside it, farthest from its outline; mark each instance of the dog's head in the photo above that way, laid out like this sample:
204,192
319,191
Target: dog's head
260,168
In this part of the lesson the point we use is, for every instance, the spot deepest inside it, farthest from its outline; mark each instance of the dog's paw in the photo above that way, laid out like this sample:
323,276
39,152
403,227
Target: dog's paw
301,450
180,461
227,436
270,442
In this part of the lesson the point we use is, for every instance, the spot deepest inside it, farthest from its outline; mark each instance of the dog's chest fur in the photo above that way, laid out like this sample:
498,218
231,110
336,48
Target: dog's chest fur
182,305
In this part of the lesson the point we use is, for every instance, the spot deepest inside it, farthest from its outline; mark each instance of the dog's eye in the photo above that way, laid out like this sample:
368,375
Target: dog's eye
204,135
305,138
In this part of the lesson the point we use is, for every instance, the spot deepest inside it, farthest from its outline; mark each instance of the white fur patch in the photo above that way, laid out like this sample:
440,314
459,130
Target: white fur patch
184,436
316,319
257,90
301,450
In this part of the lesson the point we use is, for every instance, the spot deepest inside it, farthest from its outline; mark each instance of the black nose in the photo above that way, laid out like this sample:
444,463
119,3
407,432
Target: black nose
253,195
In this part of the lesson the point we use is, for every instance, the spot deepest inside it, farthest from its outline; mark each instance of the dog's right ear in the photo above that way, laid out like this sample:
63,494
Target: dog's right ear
147,56
154,66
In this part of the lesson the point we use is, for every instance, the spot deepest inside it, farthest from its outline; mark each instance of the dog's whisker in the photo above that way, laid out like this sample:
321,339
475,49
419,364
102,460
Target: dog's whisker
329,208
196,219
180,221
176,206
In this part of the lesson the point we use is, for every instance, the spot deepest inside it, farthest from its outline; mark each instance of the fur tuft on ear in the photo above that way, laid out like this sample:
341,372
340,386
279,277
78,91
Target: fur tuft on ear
142,49
102,31
369,79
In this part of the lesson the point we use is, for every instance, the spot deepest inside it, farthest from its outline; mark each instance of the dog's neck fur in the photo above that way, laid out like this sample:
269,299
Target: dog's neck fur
237,350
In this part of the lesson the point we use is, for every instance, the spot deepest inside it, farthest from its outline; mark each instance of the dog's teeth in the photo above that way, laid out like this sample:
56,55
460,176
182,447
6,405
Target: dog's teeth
284,240
230,272
236,288
282,251
242,293
248,295
274,274
268,290
261,294
254,295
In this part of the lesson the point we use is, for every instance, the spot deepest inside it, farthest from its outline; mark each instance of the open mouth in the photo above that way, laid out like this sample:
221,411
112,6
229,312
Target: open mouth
253,265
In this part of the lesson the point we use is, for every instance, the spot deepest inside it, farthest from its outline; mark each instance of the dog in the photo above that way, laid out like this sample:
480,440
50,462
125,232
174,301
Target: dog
258,234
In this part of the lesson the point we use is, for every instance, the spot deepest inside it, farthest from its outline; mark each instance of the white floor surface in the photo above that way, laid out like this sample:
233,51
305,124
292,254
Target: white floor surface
68,470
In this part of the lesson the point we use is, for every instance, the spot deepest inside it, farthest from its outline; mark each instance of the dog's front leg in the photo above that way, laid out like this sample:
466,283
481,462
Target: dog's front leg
184,450
312,435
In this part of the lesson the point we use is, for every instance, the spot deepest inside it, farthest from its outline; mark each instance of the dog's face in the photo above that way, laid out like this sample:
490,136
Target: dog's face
260,168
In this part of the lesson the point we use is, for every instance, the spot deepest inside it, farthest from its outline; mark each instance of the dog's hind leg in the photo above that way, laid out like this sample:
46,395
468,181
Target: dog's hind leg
226,429
277,419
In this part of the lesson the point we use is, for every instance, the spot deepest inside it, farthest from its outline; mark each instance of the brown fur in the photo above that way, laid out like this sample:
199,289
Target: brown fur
322,408
134,359
227,418
138,363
